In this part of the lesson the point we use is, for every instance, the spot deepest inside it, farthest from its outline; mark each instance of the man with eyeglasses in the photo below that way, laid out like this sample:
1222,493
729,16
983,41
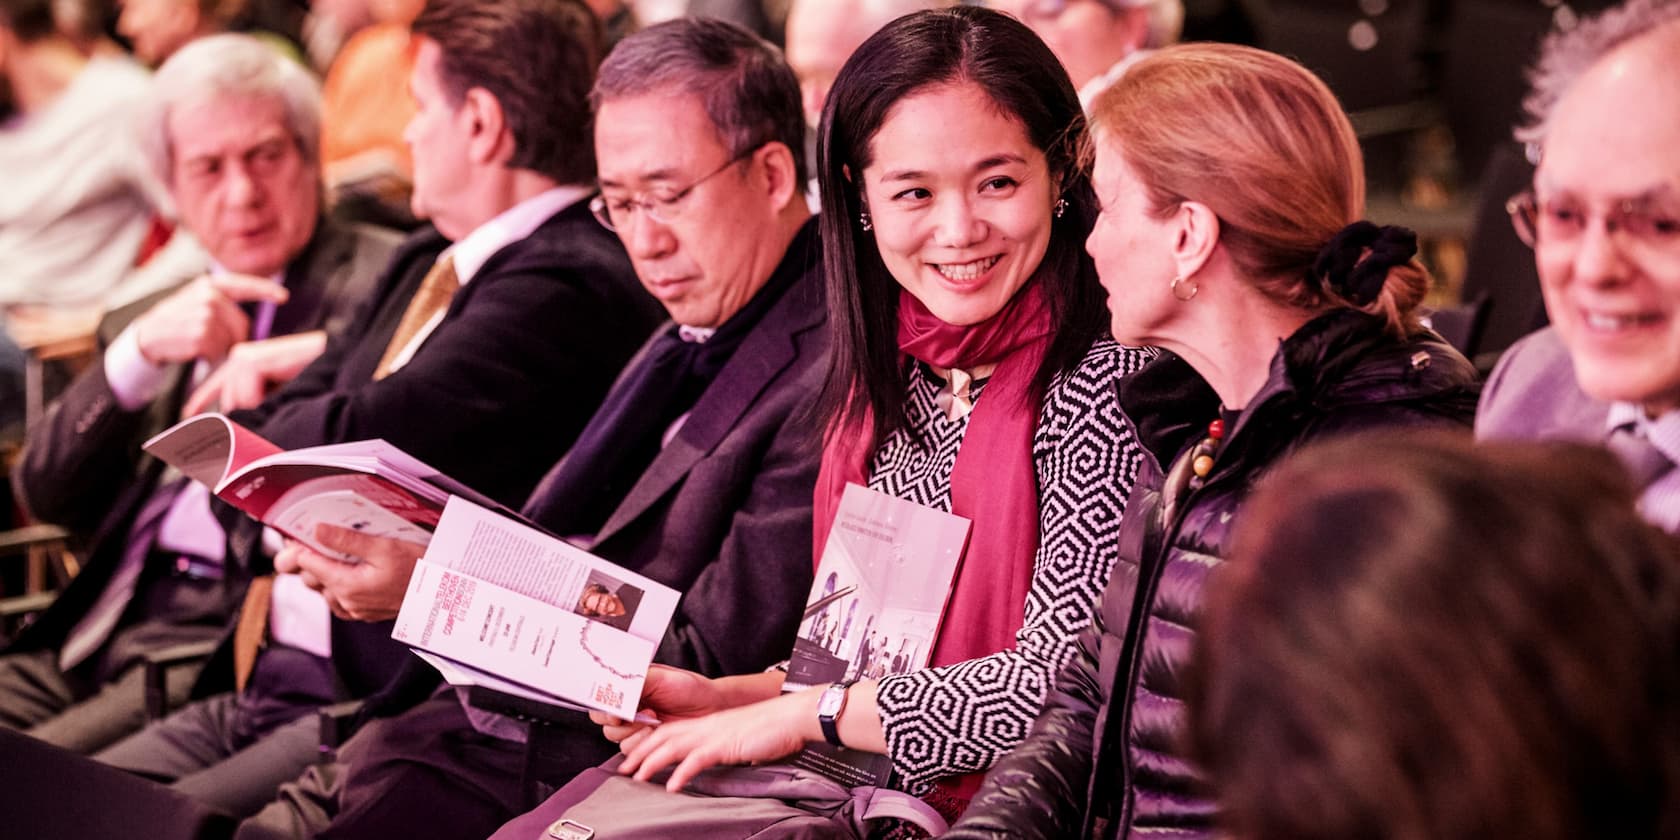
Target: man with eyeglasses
699,468
1097,40
1604,221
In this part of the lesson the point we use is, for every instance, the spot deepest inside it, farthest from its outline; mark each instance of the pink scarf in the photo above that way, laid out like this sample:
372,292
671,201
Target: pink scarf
993,482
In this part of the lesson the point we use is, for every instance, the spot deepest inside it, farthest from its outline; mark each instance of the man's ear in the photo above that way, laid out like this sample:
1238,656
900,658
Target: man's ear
1195,237
489,139
780,178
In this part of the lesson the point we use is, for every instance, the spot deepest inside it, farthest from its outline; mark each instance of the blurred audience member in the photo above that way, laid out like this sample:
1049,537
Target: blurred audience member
1231,188
1604,219
231,129
364,108
821,35
1098,39
765,18
155,29
76,203
1465,643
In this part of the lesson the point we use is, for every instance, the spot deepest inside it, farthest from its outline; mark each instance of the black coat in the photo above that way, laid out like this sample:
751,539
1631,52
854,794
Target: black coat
83,468
495,394
1103,758
723,513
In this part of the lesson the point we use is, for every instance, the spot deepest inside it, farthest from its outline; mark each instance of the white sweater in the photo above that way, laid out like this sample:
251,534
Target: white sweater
74,196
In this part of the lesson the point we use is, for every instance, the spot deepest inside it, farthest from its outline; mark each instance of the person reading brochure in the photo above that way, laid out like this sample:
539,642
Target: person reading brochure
484,362
972,375
698,469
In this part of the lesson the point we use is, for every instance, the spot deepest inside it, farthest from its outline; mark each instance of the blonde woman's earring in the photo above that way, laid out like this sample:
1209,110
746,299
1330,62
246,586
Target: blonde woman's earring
1061,207
1179,283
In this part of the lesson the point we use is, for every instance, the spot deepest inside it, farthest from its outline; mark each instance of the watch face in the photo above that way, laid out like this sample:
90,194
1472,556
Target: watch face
828,705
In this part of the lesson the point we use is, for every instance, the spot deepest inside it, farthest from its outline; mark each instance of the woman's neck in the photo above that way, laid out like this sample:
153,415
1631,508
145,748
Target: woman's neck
1231,340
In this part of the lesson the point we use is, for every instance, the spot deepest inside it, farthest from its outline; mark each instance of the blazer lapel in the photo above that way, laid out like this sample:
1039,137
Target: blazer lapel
315,278
771,348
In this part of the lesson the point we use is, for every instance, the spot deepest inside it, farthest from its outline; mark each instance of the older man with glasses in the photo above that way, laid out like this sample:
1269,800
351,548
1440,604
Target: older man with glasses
698,469
1603,218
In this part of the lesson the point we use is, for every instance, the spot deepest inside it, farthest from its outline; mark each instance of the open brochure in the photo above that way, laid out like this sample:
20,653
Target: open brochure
875,607
368,486
499,603
494,601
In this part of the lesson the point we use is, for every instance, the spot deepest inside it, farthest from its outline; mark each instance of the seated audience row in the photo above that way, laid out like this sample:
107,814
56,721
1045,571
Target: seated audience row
965,243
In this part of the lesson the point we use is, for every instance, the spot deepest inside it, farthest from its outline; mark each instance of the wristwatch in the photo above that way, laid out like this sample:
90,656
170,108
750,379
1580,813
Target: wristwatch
829,706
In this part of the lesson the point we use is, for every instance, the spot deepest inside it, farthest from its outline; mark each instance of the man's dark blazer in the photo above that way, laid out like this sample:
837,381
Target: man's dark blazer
722,514
83,468
499,390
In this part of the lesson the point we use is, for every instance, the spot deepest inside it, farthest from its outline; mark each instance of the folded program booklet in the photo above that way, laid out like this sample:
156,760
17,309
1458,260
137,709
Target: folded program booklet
504,603
875,608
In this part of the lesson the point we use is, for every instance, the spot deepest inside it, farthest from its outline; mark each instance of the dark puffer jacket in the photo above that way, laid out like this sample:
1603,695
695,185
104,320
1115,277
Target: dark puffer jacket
1103,757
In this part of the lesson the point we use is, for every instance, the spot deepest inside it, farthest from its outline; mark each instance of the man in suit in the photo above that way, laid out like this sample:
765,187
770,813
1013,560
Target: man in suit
484,360
233,126
1604,220
698,470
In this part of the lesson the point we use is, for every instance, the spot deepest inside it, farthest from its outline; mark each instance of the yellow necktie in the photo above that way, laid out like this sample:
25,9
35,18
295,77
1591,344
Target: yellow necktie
433,296
248,634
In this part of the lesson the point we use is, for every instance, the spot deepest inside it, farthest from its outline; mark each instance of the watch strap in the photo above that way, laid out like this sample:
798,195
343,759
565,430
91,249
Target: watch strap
830,722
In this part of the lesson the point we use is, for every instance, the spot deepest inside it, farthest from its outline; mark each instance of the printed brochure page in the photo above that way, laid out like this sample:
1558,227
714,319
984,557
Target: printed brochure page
875,607
501,597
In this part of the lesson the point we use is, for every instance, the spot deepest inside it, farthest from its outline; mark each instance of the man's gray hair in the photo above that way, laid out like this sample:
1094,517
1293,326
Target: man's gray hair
230,64
748,90
1570,52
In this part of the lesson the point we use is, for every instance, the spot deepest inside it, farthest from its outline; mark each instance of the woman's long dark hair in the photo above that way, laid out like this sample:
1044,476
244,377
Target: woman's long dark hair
1007,61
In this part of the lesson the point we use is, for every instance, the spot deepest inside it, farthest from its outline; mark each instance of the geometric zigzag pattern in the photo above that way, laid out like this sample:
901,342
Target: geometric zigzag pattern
961,718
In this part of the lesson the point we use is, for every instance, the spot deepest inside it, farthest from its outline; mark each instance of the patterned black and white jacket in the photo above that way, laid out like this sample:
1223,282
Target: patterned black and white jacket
961,718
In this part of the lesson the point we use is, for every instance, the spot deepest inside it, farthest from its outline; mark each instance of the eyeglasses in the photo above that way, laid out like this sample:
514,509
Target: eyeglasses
1558,221
663,205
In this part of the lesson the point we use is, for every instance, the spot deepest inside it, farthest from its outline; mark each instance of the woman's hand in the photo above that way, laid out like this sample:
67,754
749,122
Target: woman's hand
751,734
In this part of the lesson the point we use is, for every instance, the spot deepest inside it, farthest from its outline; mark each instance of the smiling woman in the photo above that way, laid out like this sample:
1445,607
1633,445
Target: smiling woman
970,375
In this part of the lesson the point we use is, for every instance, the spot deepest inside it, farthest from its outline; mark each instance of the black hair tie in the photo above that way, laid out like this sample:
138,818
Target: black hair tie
1345,267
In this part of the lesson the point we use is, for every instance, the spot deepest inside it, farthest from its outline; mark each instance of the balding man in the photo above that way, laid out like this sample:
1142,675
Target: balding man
1098,39
1603,217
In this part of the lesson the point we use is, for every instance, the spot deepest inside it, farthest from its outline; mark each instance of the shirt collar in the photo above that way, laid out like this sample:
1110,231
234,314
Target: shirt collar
695,335
1663,431
510,226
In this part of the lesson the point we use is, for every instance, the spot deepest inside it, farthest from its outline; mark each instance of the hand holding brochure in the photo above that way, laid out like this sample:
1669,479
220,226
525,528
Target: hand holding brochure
875,608
495,601
368,486
504,604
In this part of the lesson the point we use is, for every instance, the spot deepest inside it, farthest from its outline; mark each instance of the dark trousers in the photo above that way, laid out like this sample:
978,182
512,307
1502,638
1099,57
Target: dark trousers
72,711
232,751
424,773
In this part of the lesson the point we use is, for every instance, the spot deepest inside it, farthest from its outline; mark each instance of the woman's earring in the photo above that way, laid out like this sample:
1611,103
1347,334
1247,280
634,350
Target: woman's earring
863,219
1179,281
1061,207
